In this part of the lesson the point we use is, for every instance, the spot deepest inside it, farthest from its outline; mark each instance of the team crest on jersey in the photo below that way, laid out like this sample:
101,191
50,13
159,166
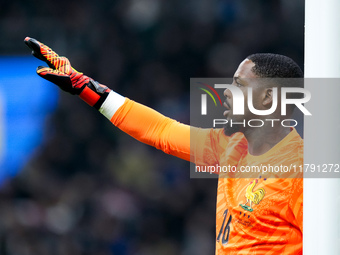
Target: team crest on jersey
253,196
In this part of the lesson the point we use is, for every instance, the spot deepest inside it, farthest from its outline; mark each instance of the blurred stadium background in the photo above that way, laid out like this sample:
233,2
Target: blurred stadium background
82,187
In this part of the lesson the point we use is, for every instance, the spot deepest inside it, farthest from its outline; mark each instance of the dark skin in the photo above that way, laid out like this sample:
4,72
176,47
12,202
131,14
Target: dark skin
260,140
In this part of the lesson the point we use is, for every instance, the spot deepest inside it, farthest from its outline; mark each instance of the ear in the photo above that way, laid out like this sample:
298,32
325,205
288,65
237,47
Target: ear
268,97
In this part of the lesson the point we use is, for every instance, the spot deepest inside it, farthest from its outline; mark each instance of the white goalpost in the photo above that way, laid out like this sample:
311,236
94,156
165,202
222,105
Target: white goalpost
322,131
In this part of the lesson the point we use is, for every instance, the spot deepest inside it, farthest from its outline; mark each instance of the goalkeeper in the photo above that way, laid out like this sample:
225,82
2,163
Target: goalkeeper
253,215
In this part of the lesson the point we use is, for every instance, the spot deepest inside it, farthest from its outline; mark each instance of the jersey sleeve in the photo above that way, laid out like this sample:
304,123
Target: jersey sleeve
197,145
152,128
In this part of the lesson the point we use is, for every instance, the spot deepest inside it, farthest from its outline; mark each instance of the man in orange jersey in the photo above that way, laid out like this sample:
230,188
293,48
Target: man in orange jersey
254,214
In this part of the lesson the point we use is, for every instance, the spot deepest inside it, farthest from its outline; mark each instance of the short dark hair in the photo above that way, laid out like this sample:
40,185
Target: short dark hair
278,68
269,65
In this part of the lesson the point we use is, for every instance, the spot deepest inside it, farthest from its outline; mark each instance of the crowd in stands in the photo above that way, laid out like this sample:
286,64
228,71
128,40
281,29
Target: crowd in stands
91,189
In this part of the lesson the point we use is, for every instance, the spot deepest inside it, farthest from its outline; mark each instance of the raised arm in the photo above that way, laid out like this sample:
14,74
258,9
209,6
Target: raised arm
139,121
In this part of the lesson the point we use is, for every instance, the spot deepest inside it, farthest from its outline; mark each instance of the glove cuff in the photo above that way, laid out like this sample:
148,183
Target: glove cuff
94,94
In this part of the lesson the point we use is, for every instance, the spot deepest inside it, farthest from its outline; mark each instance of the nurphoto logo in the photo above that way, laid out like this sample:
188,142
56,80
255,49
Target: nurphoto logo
238,100
238,104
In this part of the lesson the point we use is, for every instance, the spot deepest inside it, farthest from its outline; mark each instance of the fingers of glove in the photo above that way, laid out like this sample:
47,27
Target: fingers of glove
42,70
42,52
62,64
59,78
34,45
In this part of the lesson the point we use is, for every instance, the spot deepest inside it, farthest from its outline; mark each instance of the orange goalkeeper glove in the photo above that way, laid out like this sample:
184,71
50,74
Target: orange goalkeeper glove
61,73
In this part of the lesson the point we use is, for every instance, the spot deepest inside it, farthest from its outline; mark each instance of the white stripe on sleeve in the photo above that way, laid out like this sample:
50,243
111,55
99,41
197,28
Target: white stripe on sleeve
111,104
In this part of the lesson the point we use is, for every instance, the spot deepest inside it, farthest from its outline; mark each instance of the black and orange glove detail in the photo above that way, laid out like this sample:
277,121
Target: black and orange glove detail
61,73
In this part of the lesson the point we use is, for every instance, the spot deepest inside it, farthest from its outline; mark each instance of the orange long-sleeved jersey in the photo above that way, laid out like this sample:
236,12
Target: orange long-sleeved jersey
254,215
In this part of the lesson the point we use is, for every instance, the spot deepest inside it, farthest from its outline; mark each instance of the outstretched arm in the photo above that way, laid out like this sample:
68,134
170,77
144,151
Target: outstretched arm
139,121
